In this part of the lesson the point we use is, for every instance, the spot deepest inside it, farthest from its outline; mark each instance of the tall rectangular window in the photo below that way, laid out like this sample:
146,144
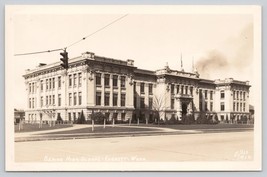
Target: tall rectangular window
74,80
42,101
237,106
46,100
123,98
122,81
70,99
186,90
70,80
177,89
59,82
53,83
182,89
142,102
80,98
30,103
244,107
150,103
200,94
142,88
79,79
30,87
241,95
46,84
206,94
211,95
172,103
200,106
106,80
50,100
211,106
244,96
106,99
222,106
115,99
69,116
206,106
234,95
74,98
191,91
115,81
172,88
222,94
59,99
53,98
240,106
98,98
234,107
42,85
50,83
237,95
150,89
98,79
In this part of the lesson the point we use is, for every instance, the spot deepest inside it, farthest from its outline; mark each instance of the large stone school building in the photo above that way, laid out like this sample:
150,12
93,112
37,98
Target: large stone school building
124,92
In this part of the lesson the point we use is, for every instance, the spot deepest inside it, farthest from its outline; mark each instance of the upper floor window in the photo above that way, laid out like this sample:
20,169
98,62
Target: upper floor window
150,89
59,99
115,81
70,99
142,102
46,84
106,80
244,96
123,98
237,95
191,91
98,98
122,81
115,99
98,78
30,87
206,94
53,83
74,98
182,89
222,94
59,82
50,83
80,98
234,95
42,101
107,98
177,88
172,88
142,88
222,106
150,103
211,106
70,80
79,79
186,90
211,95
172,103
74,80
42,85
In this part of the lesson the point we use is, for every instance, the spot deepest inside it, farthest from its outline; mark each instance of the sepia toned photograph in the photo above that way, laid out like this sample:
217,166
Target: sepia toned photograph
133,88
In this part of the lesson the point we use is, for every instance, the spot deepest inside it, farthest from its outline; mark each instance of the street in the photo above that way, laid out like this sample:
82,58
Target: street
164,148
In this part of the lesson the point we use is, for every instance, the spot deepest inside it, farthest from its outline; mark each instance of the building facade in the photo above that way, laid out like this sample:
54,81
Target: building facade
124,92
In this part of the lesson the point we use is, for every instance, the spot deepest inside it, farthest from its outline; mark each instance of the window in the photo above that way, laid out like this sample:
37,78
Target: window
59,82
122,81
46,84
42,85
46,100
211,95
79,79
142,104
182,89
59,99
115,81
186,90
237,106
222,94
30,87
172,103
50,100
98,98
241,95
80,98
191,91
115,115
142,88
50,83
206,94
211,106
123,96
74,116
237,95
115,99
70,80
69,116
234,107
234,95
74,98
244,96
150,89
42,101
30,103
106,80
123,116
150,103
98,78
200,106
200,94
240,106
206,106
222,106
107,99
177,88
53,83
74,80
53,99
134,87
244,107
172,89
70,99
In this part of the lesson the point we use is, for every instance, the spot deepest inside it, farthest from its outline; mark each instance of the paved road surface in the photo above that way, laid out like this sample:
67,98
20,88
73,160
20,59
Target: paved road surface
188,147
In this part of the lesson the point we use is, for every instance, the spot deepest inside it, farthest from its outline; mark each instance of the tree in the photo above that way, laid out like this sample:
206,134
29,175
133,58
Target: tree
81,119
98,117
59,119
158,106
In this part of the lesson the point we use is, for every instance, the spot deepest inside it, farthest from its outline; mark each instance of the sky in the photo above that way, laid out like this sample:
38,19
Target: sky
220,45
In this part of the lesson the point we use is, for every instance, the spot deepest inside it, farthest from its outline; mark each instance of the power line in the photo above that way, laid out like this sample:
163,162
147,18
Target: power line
98,30
47,51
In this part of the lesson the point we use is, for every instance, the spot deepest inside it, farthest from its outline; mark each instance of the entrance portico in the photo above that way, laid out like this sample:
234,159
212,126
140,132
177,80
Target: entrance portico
184,104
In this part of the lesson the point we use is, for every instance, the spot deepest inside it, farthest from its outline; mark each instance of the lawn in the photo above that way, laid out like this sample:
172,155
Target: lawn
100,129
35,127
201,126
